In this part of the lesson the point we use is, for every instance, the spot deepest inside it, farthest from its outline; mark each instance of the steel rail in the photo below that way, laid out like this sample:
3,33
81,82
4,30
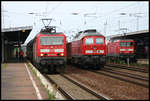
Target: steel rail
129,68
101,97
122,79
126,74
68,96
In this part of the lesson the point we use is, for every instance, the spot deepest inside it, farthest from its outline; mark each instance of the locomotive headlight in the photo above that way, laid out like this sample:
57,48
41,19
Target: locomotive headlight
88,51
42,54
61,54
59,50
122,49
130,49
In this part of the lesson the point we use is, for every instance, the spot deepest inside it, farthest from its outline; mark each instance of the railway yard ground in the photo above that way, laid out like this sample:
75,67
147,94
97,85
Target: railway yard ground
112,82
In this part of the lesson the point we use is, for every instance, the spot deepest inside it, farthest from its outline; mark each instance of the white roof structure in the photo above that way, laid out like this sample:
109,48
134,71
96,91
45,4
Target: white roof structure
130,33
16,29
88,32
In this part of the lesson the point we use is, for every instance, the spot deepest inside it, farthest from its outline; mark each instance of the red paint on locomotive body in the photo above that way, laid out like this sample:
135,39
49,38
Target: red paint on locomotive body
79,47
121,48
51,49
75,48
94,48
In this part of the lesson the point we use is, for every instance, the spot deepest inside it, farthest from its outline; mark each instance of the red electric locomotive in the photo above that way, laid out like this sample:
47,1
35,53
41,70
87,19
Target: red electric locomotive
88,48
48,50
121,48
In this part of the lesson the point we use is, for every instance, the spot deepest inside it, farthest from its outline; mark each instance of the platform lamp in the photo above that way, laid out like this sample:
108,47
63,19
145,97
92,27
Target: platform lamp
124,32
119,20
137,15
75,13
84,15
23,30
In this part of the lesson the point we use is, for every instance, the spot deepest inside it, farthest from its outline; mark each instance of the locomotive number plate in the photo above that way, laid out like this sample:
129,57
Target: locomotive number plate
51,50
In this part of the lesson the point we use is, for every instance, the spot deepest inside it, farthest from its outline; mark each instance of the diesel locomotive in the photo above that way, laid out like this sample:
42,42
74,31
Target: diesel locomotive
87,49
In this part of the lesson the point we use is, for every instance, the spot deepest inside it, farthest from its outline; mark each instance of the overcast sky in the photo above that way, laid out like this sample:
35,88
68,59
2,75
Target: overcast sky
104,16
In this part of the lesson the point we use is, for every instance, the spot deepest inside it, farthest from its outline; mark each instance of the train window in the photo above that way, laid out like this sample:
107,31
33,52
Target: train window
129,43
99,41
89,41
122,44
126,44
51,40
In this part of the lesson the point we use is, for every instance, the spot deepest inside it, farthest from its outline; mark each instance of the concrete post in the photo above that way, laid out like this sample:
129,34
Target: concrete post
2,40
128,61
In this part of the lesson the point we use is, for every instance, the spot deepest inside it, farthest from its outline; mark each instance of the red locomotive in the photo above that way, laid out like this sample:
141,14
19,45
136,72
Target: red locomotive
48,50
121,48
88,48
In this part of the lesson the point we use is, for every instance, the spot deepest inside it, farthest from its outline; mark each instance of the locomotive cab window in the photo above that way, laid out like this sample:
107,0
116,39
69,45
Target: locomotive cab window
51,40
89,41
127,44
99,41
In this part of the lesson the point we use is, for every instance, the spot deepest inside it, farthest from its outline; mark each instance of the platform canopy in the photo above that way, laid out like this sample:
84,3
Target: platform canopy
16,35
127,35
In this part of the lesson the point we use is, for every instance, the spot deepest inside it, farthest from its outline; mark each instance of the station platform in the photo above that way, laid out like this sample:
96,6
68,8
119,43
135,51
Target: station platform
19,83
143,61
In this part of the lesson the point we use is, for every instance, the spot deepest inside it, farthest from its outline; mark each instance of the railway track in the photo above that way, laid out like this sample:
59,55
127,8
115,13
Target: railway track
123,76
136,76
144,70
72,89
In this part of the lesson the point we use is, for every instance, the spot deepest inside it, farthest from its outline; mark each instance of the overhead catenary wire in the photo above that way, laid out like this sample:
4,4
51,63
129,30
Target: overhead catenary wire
128,8
119,9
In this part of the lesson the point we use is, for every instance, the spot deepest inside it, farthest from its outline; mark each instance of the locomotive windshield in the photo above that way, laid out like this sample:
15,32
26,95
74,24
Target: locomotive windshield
89,41
51,40
99,41
126,44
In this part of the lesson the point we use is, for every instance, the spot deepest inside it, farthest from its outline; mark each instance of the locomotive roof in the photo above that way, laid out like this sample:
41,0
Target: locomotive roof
50,33
89,32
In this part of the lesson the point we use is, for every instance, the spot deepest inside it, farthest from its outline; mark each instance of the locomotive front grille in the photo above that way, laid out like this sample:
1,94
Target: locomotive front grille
127,55
53,60
96,59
